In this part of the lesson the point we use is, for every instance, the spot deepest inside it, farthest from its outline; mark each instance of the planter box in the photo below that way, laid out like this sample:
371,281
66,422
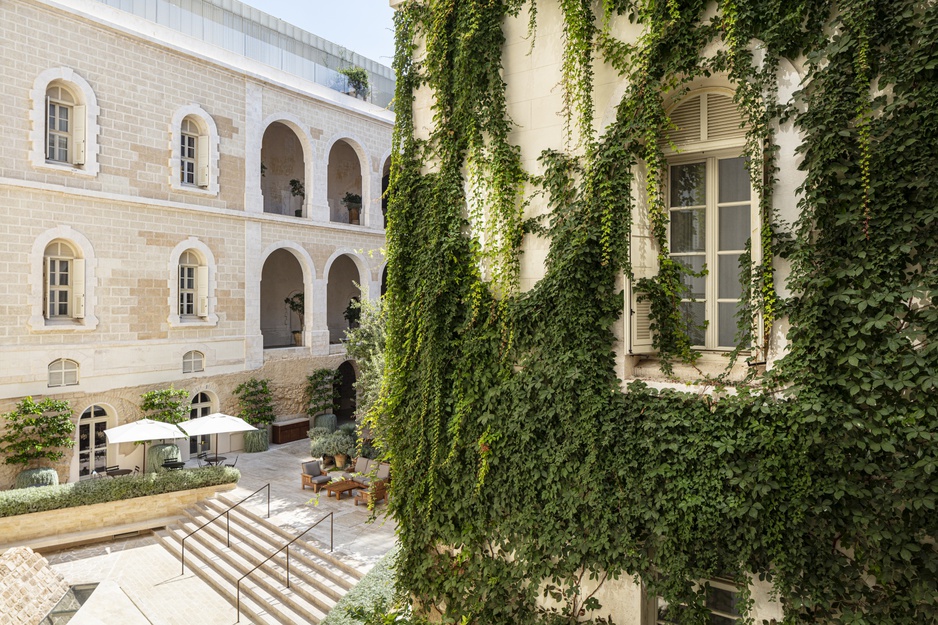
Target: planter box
100,520
289,431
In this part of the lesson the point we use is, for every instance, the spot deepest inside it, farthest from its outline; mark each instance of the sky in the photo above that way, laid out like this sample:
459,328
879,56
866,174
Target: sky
363,26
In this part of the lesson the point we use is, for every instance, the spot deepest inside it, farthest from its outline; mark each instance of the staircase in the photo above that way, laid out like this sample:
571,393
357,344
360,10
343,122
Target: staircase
317,579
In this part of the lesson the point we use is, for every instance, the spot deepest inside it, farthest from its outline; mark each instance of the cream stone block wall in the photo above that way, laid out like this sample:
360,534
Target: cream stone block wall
26,527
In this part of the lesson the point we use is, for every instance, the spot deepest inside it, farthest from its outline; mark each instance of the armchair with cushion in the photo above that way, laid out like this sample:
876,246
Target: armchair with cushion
314,476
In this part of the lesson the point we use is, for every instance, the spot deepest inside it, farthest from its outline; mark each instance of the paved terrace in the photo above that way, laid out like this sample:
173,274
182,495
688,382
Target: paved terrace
139,580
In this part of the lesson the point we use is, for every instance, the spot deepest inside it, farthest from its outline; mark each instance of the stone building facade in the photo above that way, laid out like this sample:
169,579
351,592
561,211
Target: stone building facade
160,199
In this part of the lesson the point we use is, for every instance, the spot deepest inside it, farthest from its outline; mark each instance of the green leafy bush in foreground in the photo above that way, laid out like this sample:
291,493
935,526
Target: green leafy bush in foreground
43,498
369,598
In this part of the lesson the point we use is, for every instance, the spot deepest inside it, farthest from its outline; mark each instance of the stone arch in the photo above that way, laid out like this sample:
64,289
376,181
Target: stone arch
275,182
338,182
37,117
286,269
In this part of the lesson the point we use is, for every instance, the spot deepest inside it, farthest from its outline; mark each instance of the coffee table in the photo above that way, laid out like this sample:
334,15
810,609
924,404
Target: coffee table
339,487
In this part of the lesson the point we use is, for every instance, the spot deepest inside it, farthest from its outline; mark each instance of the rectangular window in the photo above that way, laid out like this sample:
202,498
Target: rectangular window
57,131
187,159
187,289
721,602
57,296
710,202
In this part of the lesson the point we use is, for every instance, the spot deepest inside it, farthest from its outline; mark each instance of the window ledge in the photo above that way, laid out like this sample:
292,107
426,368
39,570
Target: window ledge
195,190
175,321
42,325
65,168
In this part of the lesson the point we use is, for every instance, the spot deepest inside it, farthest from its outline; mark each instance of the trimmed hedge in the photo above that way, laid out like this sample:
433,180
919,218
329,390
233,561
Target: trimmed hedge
375,592
43,498
37,477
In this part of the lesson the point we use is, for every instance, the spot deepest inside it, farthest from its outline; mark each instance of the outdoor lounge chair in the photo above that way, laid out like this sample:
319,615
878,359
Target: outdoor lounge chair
362,467
314,476
231,464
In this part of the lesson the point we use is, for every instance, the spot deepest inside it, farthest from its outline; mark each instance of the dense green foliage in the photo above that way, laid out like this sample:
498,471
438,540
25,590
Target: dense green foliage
357,79
365,344
256,402
256,441
36,477
322,391
521,467
103,490
158,454
37,431
170,405
374,590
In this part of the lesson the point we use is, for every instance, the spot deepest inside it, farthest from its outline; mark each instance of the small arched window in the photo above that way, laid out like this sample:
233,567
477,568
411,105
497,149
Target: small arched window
63,372
193,153
64,114
193,361
64,282
65,127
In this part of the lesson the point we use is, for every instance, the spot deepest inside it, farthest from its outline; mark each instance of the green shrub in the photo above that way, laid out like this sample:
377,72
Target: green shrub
169,405
256,441
326,421
255,400
103,490
157,454
372,594
37,477
322,391
37,431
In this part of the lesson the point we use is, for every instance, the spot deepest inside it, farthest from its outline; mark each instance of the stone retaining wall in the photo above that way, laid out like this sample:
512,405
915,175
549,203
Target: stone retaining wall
26,527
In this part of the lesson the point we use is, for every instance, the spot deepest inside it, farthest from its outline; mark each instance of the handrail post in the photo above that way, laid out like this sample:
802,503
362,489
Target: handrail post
228,526
268,500
331,532
184,555
288,565
238,620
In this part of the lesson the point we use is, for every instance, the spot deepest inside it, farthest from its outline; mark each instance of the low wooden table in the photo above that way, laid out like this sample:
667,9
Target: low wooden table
340,486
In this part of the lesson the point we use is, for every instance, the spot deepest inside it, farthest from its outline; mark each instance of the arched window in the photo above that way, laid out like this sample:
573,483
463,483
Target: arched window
193,361
194,151
201,407
193,285
92,443
64,116
63,372
713,213
64,280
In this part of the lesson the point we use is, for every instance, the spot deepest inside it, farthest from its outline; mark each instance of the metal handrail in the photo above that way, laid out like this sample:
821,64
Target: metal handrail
287,547
227,521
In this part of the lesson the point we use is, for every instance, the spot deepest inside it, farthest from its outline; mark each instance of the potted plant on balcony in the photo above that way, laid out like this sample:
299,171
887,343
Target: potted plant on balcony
296,304
353,202
357,79
298,190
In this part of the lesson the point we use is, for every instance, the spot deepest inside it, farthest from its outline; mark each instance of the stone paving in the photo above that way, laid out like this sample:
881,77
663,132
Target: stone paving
140,581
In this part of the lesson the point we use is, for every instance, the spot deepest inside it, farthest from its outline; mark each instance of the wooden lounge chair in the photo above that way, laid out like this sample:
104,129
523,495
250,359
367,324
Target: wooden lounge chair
314,476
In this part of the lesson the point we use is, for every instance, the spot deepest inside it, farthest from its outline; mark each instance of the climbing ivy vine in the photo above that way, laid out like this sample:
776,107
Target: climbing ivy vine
521,468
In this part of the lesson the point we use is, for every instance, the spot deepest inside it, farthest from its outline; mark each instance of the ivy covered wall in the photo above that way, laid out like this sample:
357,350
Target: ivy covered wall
522,465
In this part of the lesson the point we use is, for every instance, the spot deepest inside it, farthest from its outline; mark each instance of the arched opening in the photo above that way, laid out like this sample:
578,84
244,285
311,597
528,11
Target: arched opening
281,278
384,280
283,171
92,442
345,390
345,184
200,406
385,182
340,291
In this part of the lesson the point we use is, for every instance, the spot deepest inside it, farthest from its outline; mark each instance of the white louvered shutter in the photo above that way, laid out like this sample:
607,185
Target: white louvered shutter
78,135
201,161
687,121
201,285
78,288
644,257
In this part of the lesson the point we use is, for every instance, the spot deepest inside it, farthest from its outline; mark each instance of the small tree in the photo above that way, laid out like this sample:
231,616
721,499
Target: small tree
169,404
357,79
296,303
255,401
365,343
322,391
37,431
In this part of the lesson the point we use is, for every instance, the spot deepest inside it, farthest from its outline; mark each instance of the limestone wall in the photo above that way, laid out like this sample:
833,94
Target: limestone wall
29,587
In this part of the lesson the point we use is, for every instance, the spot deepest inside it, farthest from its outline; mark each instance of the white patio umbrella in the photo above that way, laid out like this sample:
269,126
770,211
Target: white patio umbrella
215,423
144,430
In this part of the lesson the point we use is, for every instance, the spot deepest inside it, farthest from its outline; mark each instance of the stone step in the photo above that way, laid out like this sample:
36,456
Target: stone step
272,600
345,568
306,577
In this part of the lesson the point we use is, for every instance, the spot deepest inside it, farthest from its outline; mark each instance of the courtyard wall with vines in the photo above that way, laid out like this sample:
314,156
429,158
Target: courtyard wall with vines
524,474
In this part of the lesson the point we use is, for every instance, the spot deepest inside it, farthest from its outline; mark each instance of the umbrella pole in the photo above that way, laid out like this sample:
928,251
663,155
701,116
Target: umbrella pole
144,457
216,449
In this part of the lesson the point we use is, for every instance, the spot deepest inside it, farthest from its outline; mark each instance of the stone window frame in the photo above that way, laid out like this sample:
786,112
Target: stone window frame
38,322
190,361
81,89
210,318
62,370
207,143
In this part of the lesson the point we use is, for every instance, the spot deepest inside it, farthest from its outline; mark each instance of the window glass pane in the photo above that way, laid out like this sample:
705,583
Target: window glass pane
689,184
734,227
728,277
688,230
734,180
726,330
693,313
722,600
698,286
